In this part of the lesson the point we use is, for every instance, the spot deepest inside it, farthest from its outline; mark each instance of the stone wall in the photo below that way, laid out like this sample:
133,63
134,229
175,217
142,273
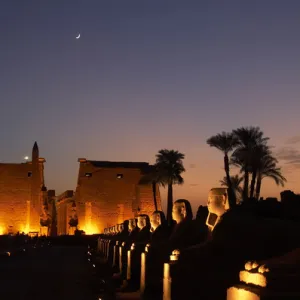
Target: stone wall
21,195
64,212
15,195
108,193
145,198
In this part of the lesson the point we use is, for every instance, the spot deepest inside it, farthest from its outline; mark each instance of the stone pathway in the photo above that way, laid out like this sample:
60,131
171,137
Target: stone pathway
57,272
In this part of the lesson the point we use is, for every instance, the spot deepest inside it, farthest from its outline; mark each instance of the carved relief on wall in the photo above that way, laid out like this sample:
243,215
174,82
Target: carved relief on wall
45,217
73,222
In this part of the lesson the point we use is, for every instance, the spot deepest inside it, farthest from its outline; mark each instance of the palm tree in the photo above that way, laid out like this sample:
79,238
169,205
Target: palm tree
225,142
249,138
169,166
235,183
151,177
259,154
269,169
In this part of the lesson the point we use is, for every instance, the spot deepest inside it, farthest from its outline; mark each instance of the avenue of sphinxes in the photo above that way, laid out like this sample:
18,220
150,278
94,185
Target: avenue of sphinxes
106,193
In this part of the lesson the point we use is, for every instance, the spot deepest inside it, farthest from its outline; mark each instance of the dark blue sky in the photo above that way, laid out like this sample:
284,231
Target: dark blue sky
146,75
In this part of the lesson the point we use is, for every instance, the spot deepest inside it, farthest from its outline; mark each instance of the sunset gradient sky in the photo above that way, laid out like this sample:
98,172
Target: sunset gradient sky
147,75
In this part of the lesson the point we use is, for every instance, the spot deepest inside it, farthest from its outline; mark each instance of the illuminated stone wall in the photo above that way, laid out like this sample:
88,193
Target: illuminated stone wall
108,193
15,195
64,212
21,195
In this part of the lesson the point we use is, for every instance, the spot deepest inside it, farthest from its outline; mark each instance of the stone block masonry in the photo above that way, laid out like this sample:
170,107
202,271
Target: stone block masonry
108,193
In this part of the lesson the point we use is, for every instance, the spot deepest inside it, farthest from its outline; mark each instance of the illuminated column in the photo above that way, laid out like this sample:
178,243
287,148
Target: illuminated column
144,269
115,255
167,279
167,282
143,273
128,274
121,249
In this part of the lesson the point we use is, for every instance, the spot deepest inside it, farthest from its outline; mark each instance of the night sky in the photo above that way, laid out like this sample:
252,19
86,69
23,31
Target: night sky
147,75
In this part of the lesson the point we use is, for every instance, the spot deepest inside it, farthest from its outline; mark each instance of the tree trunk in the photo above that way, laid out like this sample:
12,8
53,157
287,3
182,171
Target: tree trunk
170,204
154,194
246,184
258,186
252,186
231,193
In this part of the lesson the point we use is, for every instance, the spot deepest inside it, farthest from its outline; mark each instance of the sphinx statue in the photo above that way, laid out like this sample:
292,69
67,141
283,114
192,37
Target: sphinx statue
45,219
73,222
131,225
143,224
217,204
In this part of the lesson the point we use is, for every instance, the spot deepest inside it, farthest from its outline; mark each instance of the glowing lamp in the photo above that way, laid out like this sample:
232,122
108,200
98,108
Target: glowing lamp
175,255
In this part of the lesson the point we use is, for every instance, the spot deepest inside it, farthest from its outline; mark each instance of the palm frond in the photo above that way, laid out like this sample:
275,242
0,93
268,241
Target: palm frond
169,166
224,141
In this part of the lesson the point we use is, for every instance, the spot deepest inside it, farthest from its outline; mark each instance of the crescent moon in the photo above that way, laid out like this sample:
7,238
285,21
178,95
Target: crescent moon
77,37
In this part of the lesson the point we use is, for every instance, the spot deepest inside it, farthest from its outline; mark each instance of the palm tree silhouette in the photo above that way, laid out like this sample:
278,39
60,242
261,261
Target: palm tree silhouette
235,184
268,168
151,177
225,142
249,138
169,167
258,155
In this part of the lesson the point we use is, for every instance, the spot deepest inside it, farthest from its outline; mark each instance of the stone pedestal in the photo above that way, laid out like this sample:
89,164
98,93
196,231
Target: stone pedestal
242,291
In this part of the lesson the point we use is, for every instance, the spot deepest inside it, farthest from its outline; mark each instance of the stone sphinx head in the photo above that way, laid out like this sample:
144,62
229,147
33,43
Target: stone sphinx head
115,229
157,218
131,224
143,221
217,204
121,227
182,210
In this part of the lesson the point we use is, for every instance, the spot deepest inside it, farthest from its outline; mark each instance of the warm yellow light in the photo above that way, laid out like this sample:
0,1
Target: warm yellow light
175,255
250,265
234,293
147,248
25,229
91,229
1,230
253,278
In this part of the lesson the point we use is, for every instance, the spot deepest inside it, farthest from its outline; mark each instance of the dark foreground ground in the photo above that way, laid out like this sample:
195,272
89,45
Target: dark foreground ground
47,272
